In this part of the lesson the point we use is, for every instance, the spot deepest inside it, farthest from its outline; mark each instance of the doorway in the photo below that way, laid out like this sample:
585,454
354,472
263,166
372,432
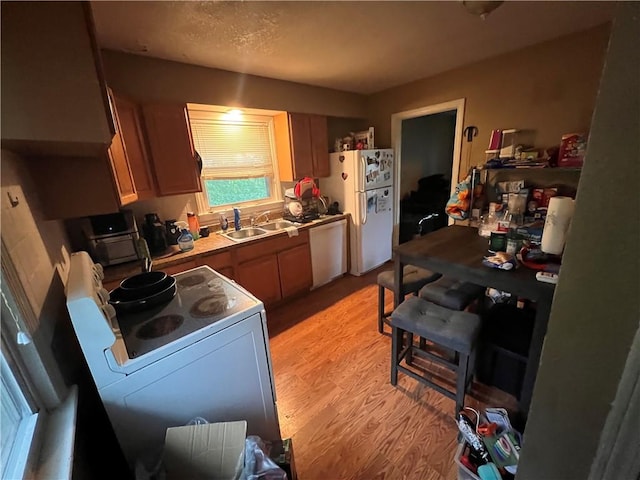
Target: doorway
427,143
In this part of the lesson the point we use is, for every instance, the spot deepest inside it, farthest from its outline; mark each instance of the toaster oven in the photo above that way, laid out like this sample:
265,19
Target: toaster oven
112,238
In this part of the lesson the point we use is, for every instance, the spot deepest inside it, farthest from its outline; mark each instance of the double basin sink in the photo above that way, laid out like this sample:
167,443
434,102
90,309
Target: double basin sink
252,232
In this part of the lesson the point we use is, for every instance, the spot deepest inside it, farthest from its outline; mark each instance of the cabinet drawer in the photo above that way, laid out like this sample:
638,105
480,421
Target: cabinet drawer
270,245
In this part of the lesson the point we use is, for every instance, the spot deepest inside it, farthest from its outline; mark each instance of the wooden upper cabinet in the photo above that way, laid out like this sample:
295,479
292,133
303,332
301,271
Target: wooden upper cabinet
54,99
301,145
171,146
119,160
129,119
319,145
301,154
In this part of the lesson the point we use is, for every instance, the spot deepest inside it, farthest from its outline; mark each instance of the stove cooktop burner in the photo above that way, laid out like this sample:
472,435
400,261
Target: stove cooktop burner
209,305
203,298
191,280
160,326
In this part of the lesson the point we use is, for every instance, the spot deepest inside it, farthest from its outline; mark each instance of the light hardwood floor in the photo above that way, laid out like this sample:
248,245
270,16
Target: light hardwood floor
335,400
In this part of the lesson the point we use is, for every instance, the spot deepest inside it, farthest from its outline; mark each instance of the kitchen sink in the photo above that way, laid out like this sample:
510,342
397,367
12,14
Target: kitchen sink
277,225
245,233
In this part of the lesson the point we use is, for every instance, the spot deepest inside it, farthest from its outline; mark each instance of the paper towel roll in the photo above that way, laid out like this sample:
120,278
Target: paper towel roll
556,225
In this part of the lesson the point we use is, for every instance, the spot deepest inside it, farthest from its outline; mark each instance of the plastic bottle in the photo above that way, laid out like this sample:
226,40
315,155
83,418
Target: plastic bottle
236,218
194,225
224,223
185,240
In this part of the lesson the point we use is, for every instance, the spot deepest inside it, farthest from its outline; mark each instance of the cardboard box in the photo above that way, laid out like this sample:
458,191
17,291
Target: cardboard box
213,451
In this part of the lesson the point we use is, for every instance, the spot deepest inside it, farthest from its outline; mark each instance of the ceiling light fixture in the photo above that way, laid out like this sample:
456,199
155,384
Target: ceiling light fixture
233,115
481,8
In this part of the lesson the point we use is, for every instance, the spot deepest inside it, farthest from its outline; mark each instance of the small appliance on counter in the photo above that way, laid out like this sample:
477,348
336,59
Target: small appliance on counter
154,233
173,231
112,238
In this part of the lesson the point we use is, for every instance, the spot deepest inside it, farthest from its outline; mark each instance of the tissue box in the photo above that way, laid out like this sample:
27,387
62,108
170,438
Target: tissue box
213,451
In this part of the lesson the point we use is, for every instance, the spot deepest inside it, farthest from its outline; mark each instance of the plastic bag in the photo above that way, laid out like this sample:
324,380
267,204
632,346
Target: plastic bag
257,464
458,204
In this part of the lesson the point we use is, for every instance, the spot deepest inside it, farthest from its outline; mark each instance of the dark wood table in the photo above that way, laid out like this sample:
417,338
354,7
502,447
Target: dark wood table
457,251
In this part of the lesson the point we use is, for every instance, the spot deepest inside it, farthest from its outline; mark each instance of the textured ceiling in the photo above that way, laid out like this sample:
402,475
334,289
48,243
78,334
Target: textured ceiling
361,47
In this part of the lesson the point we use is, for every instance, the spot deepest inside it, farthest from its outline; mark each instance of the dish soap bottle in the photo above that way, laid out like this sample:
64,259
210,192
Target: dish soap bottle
236,218
185,240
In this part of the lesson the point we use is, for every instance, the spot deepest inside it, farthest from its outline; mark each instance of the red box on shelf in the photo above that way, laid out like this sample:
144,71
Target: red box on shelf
572,149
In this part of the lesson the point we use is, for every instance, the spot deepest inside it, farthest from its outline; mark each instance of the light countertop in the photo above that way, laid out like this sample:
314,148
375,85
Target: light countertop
214,243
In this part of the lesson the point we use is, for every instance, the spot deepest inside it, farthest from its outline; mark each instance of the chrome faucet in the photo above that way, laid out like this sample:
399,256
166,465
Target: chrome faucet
254,220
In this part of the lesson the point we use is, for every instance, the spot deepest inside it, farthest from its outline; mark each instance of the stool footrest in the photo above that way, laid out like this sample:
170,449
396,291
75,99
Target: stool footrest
428,382
430,356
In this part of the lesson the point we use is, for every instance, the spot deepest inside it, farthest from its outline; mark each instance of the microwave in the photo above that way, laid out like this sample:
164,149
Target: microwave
112,238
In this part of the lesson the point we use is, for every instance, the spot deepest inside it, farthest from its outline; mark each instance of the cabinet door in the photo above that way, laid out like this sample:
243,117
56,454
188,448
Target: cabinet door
54,97
319,145
300,137
260,276
295,270
120,164
130,124
172,153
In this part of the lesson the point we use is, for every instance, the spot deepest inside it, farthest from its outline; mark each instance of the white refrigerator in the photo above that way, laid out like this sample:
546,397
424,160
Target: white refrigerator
361,182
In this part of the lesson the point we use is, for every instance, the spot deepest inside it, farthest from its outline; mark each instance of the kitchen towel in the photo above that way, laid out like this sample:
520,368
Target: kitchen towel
556,225
292,231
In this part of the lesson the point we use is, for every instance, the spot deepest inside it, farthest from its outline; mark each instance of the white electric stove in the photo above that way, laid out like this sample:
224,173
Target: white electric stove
203,354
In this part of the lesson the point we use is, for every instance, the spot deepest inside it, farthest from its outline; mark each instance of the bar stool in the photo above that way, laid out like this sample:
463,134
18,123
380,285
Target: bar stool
413,279
454,330
451,293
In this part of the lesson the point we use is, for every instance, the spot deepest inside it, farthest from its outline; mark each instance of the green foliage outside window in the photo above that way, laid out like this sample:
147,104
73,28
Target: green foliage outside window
228,192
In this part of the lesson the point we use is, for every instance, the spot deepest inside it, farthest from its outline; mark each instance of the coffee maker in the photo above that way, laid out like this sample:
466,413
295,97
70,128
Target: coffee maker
154,233
173,231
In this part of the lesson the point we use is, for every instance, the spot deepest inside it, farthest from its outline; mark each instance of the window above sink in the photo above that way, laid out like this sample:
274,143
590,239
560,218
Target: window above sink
239,164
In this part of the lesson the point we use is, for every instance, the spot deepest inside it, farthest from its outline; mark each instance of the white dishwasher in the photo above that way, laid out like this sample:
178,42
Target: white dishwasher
328,252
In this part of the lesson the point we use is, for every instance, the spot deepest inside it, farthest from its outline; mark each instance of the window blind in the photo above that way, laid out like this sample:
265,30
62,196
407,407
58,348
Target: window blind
232,149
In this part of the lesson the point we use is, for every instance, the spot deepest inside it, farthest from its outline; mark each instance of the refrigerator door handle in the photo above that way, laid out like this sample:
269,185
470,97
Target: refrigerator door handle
363,173
363,196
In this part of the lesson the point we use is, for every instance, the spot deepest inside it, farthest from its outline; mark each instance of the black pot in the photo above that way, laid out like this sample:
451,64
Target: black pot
125,301
146,283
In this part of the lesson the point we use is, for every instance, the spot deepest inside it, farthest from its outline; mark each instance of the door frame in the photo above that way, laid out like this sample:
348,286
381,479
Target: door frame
396,140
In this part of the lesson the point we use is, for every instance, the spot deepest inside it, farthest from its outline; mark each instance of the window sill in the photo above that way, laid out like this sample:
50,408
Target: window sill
56,452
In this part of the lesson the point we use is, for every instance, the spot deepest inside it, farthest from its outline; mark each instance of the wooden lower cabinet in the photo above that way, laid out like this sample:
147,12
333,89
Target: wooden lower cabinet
261,277
276,268
272,269
220,262
295,270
